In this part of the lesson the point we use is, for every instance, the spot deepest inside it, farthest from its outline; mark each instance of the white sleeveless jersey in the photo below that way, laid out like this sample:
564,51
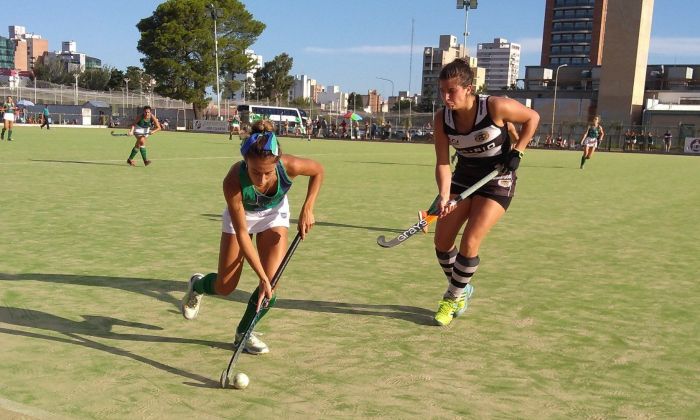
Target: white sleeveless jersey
484,144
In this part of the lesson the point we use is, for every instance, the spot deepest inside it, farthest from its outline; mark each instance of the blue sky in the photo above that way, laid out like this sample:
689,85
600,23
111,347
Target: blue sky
347,43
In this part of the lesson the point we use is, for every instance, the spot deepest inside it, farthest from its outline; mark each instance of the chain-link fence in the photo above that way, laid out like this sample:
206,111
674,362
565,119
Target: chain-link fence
618,137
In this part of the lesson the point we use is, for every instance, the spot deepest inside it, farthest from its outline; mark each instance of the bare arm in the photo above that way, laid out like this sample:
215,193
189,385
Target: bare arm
156,124
505,110
443,174
585,133
296,166
234,202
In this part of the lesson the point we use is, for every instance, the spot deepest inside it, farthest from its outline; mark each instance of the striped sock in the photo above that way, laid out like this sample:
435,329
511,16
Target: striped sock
446,260
462,272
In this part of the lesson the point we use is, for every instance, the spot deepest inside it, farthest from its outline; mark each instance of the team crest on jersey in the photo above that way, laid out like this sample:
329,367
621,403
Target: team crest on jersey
481,137
505,183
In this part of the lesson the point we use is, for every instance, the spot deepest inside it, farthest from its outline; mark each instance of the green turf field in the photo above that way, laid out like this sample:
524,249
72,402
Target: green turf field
586,304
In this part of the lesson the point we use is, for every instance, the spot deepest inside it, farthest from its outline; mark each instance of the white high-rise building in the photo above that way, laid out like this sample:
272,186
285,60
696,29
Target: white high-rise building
501,59
248,78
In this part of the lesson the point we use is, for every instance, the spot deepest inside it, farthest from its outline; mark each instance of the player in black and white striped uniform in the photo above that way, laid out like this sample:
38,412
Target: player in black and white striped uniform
478,128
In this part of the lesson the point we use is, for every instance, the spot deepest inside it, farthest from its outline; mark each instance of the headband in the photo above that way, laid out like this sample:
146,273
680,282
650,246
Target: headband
271,145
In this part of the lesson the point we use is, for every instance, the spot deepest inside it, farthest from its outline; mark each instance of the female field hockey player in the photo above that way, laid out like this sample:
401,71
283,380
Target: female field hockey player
255,190
477,127
145,125
591,139
8,118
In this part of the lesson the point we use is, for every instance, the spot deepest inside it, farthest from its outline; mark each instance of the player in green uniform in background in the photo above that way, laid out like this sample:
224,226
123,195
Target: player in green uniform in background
145,125
255,190
9,109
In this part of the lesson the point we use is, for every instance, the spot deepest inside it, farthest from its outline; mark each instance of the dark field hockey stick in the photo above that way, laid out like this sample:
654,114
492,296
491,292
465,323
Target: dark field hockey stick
226,375
433,216
119,134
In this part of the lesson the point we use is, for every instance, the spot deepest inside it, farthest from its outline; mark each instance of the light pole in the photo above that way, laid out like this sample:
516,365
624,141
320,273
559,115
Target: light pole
392,93
76,87
554,102
126,106
214,15
466,5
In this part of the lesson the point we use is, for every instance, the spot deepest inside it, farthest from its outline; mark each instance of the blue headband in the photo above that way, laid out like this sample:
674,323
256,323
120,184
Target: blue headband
271,145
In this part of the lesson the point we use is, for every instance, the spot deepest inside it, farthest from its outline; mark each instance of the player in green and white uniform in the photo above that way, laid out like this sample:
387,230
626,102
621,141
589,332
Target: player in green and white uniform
591,139
9,109
255,190
145,125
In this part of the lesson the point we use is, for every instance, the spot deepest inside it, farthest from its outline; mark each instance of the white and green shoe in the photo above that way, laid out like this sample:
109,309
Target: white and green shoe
253,345
463,300
192,299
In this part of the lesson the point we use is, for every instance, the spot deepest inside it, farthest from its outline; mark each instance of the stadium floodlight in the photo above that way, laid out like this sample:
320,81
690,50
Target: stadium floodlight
214,15
554,101
466,5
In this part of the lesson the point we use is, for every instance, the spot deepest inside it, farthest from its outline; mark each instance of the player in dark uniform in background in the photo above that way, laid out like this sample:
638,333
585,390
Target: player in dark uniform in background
145,125
477,126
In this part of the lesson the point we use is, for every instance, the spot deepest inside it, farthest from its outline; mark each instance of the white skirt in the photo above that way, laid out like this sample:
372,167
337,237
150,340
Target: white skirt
9,117
260,221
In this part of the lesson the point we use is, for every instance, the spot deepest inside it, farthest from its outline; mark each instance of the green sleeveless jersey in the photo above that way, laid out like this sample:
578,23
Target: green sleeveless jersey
145,123
254,200
593,132
9,107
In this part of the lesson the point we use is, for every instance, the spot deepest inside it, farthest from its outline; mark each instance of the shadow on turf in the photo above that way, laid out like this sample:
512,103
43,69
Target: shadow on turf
99,326
162,290
83,162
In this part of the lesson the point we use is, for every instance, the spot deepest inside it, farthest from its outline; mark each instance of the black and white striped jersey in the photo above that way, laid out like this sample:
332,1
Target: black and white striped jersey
485,144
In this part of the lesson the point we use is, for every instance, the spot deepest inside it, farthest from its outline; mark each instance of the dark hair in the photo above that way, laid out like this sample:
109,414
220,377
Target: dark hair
260,133
458,69
146,107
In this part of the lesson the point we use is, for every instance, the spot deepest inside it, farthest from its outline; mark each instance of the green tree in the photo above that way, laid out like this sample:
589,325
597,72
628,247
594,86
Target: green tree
405,103
273,80
178,43
355,102
95,79
116,80
54,71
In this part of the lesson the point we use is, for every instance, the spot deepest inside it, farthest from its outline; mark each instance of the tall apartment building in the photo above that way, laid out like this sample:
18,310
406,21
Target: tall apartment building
7,53
28,48
248,78
501,60
434,59
573,32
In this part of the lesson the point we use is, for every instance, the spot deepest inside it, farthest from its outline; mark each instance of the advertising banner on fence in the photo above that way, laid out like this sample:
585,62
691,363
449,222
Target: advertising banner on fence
211,126
692,145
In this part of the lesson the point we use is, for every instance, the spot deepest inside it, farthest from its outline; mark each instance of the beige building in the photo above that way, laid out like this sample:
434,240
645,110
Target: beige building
501,61
626,51
434,59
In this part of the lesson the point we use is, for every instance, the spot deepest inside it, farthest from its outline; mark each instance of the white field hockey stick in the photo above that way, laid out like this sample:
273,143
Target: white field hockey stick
433,216
226,375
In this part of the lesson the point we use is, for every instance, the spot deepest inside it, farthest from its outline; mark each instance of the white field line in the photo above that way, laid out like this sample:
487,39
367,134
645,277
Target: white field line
32,412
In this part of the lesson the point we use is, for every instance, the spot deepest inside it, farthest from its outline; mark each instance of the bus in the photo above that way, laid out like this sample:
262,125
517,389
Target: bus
296,118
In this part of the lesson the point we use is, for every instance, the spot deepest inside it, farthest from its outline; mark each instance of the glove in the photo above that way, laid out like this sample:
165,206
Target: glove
511,160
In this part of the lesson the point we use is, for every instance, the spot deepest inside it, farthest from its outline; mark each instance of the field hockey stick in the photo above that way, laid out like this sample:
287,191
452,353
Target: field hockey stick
433,215
119,134
226,375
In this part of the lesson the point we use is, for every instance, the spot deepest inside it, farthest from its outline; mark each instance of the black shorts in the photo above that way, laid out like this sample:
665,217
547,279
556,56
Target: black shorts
500,189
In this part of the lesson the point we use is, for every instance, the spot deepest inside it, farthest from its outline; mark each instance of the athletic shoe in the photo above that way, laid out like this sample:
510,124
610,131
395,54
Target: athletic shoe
192,299
146,162
463,301
253,345
446,311
130,162
422,215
